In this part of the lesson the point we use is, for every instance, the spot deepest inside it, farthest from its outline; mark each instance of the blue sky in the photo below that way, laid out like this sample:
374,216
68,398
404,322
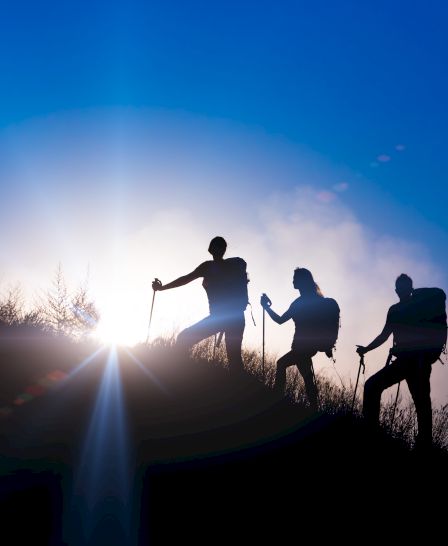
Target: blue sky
310,133
350,80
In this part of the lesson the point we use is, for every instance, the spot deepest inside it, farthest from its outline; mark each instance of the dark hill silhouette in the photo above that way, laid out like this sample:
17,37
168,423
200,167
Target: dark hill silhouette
204,452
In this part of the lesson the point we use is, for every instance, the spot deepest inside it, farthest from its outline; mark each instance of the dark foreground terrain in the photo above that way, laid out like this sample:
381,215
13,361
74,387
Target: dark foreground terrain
140,448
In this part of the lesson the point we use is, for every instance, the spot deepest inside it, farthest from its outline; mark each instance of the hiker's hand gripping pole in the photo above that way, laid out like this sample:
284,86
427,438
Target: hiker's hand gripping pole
363,366
157,285
265,301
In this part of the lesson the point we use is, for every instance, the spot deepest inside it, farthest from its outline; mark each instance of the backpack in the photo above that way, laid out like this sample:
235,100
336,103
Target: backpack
227,286
317,325
329,315
428,315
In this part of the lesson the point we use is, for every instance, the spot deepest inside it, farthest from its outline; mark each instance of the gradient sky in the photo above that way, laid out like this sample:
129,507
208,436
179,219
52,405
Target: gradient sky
350,80
255,101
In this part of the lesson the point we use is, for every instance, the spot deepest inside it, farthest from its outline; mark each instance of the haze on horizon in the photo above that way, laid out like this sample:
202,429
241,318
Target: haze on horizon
305,135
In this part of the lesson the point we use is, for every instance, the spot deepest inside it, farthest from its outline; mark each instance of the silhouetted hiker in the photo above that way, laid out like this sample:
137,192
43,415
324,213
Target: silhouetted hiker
316,326
418,325
225,281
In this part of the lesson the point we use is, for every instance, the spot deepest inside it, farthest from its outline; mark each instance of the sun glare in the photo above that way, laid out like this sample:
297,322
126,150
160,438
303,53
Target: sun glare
116,330
121,322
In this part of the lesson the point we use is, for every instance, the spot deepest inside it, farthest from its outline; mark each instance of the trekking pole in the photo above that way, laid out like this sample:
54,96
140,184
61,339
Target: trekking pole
218,339
263,352
150,315
363,366
266,301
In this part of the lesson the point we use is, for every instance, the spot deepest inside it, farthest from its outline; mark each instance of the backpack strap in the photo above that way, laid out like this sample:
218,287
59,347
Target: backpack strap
251,313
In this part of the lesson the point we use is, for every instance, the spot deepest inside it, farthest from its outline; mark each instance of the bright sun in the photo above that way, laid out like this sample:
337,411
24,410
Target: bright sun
116,330
122,321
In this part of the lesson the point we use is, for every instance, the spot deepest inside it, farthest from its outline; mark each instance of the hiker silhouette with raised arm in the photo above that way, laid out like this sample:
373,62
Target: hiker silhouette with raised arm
415,347
316,322
225,282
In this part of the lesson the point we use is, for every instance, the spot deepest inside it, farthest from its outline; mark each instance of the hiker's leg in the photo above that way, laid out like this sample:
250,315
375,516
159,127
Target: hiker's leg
289,359
196,333
234,331
305,367
419,385
375,386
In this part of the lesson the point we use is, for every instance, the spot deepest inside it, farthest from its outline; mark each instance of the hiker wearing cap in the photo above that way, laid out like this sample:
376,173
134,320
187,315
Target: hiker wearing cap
418,324
316,322
225,282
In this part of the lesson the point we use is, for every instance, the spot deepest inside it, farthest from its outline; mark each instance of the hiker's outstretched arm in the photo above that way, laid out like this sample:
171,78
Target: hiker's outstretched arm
181,281
266,303
379,340
277,318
